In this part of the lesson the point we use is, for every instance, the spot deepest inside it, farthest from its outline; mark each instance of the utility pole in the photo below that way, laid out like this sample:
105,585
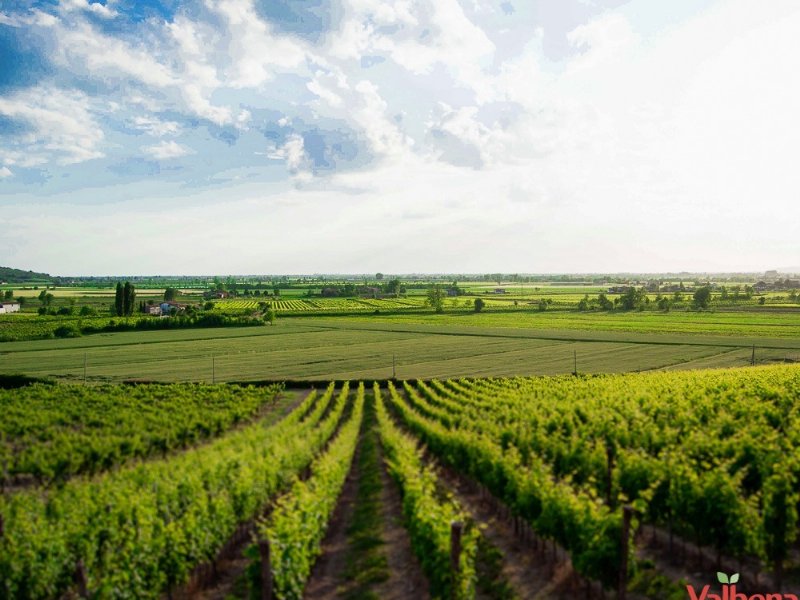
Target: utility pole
394,369
753,356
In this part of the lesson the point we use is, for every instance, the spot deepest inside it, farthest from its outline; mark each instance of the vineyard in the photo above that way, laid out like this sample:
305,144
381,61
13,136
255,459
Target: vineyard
504,488
327,305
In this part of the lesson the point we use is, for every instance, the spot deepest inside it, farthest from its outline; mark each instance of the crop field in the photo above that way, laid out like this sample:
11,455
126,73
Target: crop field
757,323
339,348
311,305
446,488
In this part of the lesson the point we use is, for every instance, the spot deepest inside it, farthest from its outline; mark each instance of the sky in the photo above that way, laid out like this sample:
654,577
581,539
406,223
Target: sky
424,136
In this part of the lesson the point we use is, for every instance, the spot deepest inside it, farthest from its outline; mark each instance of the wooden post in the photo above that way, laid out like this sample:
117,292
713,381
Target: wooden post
753,356
80,580
456,529
609,473
394,369
575,362
266,570
213,369
627,514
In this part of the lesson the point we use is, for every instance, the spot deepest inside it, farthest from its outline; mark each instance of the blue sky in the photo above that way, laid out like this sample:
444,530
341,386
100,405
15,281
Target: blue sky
290,136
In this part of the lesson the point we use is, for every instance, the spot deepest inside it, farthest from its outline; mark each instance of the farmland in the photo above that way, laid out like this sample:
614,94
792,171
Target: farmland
166,456
530,469
437,346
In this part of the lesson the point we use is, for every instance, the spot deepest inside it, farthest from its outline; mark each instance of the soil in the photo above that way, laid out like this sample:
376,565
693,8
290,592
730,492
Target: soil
530,575
406,579
326,576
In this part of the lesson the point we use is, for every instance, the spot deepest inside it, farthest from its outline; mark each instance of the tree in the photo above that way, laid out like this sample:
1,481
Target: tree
633,298
379,276
128,299
479,304
664,303
118,299
170,294
542,305
393,287
22,300
583,305
702,296
9,295
435,298
604,302
270,315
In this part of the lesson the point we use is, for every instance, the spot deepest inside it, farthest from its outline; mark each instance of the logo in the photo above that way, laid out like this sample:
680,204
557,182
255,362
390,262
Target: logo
729,591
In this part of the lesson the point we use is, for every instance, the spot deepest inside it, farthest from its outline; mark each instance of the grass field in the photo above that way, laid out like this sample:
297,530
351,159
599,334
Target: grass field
437,346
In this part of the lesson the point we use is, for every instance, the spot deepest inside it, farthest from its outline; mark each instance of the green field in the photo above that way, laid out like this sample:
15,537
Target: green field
423,346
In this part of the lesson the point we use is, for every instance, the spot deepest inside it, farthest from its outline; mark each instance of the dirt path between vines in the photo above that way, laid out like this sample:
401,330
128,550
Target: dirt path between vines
406,579
327,575
529,575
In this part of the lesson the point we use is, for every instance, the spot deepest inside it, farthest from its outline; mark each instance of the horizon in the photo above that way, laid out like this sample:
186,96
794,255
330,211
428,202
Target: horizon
419,274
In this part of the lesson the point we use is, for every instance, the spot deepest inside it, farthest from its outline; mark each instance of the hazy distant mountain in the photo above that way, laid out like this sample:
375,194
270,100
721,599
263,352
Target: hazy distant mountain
10,275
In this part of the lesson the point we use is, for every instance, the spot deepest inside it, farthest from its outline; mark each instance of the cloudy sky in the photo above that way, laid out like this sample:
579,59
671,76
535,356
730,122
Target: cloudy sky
350,136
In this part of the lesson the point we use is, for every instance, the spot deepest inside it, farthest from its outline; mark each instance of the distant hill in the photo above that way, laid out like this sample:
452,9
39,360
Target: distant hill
10,275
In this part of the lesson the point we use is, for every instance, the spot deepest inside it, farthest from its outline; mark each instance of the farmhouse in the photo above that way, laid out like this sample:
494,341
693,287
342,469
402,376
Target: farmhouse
152,309
499,290
9,307
166,307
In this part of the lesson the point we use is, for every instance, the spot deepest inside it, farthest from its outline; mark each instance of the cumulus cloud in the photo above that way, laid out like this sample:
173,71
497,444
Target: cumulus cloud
61,125
293,153
166,150
5,172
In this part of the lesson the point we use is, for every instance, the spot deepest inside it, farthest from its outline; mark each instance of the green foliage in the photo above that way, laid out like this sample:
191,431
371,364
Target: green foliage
53,432
140,530
479,304
297,525
69,330
604,302
428,517
702,296
705,451
171,294
435,298
633,298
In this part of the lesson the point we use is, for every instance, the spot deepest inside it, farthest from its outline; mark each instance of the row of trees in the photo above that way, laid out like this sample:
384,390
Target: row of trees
124,299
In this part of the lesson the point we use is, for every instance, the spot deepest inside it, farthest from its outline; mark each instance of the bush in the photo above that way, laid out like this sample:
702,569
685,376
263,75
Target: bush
67,331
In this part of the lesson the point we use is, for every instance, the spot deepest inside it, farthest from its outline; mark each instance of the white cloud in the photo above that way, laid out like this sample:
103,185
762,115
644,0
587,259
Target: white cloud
112,58
5,172
294,154
98,9
156,127
166,150
62,126
254,50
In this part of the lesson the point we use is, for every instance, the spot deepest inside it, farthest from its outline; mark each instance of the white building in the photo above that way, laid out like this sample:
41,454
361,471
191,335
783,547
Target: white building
9,307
